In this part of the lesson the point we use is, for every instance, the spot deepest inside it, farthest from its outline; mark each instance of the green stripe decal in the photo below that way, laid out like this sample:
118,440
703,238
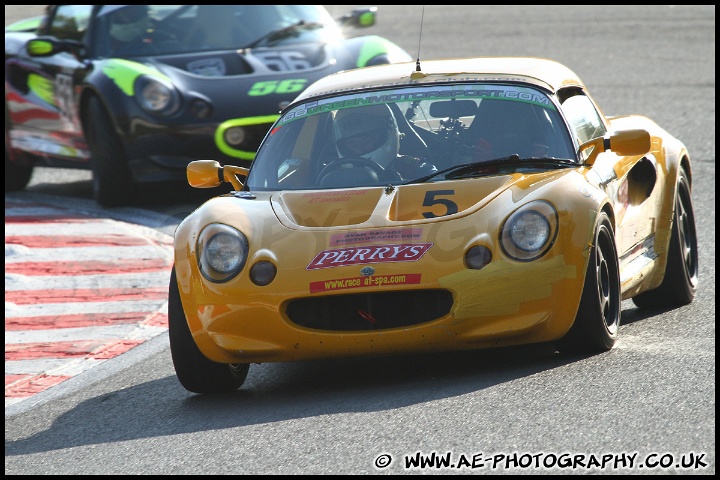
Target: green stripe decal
373,47
42,87
124,73
25,25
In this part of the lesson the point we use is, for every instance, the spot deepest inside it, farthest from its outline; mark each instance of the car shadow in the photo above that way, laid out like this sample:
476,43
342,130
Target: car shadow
632,314
286,391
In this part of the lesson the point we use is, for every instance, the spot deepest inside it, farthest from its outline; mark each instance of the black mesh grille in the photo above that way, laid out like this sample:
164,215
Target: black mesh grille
371,311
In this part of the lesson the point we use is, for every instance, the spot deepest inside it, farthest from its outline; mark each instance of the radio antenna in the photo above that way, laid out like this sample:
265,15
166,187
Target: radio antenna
422,18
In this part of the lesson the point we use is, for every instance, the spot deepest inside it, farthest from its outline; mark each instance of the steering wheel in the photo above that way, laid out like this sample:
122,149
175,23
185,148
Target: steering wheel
355,162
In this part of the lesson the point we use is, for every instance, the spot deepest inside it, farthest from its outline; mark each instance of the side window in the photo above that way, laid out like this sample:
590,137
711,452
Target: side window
70,22
584,119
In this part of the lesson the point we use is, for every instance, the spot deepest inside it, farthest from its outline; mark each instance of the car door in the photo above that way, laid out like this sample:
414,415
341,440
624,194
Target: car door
628,180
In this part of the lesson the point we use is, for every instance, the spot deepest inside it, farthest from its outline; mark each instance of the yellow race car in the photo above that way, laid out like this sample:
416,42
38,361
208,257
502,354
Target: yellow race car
454,204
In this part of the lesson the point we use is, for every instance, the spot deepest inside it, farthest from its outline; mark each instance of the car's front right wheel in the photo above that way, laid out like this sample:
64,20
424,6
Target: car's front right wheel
195,371
112,180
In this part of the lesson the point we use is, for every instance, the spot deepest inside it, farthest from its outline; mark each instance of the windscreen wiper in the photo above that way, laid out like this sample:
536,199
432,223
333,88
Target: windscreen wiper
284,32
514,160
464,167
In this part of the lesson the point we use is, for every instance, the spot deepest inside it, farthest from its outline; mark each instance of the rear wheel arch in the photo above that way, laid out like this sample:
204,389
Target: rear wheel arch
681,275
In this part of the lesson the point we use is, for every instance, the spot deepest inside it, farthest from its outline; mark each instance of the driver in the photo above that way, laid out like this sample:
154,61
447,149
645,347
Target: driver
129,26
371,132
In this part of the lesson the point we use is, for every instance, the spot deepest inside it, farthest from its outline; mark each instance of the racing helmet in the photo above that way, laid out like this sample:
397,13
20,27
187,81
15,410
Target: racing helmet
129,23
370,132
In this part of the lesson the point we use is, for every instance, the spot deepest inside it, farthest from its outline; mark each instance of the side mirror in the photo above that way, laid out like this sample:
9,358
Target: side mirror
360,17
624,142
48,46
210,174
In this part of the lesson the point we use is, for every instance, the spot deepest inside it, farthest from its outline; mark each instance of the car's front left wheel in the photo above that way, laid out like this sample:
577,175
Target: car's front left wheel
597,321
195,371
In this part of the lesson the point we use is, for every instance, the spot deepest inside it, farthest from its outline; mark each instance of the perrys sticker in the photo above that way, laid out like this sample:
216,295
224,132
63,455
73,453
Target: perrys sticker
342,257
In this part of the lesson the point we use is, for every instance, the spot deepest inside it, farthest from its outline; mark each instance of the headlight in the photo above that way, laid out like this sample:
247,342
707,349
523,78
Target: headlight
156,95
222,251
530,231
234,136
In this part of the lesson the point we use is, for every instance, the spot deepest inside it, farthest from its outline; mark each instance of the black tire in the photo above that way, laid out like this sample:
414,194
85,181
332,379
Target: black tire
597,321
194,370
679,285
17,175
112,180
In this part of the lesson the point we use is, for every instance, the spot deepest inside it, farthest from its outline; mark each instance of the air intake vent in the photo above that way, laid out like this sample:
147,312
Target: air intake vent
370,311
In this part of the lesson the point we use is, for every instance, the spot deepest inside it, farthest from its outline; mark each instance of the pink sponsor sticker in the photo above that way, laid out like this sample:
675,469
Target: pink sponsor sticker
373,236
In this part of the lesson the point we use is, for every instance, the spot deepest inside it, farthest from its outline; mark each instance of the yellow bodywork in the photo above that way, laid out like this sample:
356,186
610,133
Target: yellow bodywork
508,302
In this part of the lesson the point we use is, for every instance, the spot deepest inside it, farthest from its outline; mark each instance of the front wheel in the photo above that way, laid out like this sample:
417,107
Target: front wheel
597,321
112,181
681,273
194,370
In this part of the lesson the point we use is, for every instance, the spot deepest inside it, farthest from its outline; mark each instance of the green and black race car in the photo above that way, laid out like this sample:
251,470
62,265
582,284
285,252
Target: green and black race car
136,92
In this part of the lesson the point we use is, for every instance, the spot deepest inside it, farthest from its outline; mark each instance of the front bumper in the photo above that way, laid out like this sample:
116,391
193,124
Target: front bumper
467,309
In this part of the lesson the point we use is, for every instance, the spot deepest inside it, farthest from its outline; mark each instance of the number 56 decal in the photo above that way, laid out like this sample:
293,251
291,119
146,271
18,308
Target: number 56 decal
273,86
431,198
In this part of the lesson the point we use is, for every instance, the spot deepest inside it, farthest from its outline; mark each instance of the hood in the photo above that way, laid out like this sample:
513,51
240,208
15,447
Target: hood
259,61
385,206
283,60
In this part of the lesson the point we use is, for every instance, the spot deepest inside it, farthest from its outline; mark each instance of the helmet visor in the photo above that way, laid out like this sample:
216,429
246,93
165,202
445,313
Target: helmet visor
362,143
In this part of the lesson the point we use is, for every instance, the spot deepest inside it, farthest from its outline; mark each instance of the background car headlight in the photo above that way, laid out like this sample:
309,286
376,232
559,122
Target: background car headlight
222,252
530,231
235,136
156,95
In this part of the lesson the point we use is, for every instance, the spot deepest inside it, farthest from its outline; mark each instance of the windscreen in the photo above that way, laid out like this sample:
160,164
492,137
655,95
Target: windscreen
395,136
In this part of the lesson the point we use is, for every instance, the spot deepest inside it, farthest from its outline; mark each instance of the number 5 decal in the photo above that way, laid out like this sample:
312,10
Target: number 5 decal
430,200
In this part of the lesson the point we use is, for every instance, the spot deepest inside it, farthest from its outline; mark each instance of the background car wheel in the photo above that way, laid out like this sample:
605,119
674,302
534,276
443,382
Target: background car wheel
196,372
112,180
598,318
17,176
681,273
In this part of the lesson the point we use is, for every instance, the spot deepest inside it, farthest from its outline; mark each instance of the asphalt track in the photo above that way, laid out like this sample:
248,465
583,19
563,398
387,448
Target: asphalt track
80,288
